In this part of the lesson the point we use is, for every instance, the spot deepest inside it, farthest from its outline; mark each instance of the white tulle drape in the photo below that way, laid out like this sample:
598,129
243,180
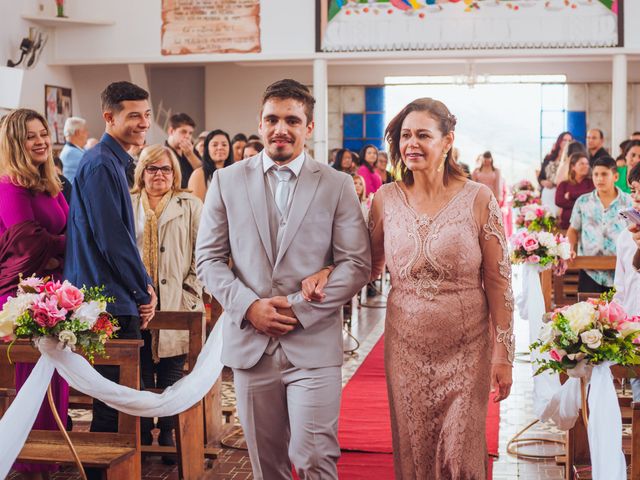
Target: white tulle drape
561,403
16,424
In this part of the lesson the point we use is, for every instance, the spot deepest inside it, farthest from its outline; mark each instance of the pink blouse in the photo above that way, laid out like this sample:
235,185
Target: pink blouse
372,180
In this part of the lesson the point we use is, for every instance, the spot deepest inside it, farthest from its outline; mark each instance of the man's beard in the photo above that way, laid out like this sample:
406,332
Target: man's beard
279,156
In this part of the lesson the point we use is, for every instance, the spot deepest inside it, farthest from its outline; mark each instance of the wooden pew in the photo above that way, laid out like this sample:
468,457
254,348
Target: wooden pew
117,454
190,435
577,459
559,291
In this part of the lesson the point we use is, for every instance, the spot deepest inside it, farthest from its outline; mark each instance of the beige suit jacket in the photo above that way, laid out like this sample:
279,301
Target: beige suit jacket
325,226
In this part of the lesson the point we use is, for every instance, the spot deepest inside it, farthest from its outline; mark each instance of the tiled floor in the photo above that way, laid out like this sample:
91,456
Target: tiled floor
234,463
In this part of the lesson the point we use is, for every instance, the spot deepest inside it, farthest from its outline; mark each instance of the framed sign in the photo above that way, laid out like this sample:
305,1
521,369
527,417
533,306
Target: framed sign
392,25
57,108
210,26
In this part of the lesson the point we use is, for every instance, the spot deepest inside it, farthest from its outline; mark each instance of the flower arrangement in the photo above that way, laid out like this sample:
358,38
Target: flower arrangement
546,249
77,317
587,333
524,193
536,218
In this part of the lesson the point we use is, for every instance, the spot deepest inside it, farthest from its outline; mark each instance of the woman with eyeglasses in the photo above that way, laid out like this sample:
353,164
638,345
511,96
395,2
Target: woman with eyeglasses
166,220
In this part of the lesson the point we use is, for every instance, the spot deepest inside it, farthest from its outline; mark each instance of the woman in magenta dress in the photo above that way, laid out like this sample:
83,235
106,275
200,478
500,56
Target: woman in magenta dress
31,203
367,169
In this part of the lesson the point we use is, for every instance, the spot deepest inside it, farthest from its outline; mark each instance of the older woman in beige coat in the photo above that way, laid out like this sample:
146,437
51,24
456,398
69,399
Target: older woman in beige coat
166,220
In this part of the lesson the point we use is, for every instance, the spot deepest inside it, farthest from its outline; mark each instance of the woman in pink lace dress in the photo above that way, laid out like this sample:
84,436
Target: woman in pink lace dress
448,333
449,312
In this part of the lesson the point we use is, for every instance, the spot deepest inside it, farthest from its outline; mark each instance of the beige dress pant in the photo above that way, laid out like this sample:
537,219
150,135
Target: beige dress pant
290,415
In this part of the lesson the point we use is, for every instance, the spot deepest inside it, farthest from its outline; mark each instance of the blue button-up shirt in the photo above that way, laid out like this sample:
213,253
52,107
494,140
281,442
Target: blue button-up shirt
101,245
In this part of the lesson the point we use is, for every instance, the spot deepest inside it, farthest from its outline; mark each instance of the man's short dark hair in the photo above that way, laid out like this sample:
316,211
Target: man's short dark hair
635,133
634,174
178,119
600,132
606,162
287,88
117,92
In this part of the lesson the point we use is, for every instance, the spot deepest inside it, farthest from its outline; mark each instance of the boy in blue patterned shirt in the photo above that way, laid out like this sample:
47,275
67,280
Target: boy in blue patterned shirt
595,224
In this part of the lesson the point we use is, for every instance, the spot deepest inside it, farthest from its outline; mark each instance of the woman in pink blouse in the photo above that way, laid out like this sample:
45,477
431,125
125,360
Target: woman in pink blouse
31,207
489,175
367,168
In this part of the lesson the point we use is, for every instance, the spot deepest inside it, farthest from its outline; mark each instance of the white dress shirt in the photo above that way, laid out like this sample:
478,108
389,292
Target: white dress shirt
627,278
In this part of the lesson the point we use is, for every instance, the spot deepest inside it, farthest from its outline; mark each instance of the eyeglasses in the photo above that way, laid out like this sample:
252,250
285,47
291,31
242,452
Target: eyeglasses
164,170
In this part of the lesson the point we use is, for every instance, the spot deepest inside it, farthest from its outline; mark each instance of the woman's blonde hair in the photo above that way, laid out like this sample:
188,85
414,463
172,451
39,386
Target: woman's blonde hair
15,160
363,196
150,155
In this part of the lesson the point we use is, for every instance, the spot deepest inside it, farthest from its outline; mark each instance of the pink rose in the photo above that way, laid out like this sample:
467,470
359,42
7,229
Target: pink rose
51,288
613,313
31,283
69,297
530,243
555,355
521,197
533,259
539,212
46,312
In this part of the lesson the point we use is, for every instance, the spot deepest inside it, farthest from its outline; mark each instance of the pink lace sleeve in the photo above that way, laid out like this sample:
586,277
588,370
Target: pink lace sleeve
376,235
496,275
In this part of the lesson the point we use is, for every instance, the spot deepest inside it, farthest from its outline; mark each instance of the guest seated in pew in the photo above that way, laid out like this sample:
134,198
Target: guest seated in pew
627,276
33,220
595,223
166,220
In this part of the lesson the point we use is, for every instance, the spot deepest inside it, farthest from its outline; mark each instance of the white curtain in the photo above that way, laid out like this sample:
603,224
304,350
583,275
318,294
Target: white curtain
16,424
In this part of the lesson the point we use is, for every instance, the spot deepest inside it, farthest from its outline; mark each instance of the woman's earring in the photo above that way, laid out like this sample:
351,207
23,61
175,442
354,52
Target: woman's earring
444,159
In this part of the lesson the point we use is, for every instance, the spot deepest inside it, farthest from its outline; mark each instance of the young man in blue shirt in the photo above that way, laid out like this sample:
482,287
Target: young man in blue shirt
101,246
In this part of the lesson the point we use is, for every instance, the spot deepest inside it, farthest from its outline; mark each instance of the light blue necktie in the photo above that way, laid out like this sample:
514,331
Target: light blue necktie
283,188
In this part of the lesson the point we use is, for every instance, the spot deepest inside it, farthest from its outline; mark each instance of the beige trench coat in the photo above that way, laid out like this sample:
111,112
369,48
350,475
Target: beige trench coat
178,288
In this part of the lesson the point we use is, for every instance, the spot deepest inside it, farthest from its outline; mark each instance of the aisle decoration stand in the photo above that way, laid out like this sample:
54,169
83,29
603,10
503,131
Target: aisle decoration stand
59,318
583,340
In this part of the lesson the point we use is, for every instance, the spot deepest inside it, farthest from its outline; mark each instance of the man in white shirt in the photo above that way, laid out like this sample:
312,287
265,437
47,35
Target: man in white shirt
627,276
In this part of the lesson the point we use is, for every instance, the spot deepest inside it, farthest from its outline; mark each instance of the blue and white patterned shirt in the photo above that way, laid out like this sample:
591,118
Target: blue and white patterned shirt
599,228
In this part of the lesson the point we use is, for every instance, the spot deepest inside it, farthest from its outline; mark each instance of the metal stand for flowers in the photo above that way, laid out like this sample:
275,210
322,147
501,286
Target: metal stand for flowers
512,446
63,430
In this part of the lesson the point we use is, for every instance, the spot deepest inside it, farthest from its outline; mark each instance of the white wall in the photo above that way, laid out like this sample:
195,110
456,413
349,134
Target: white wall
12,30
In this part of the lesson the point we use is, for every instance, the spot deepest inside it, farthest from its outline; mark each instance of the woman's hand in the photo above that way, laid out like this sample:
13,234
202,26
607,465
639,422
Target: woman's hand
313,286
546,183
501,381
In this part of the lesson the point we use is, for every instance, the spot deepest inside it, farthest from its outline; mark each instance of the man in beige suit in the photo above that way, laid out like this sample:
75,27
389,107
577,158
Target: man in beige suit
283,216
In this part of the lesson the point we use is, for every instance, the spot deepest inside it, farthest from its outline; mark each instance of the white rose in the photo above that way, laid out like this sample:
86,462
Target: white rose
553,251
529,216
12,309
564,250
67,337
593,338
547,332
580,316
88,313
546,239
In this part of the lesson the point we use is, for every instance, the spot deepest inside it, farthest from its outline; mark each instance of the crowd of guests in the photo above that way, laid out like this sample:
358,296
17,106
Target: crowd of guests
587,188
126,215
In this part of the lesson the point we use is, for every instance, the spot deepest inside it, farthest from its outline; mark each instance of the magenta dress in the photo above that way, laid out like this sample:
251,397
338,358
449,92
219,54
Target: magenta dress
18,204
372,180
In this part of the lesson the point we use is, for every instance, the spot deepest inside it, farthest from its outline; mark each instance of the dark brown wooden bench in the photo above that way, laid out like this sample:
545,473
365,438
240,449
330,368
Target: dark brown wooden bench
117,454
190,424
559,291
577,459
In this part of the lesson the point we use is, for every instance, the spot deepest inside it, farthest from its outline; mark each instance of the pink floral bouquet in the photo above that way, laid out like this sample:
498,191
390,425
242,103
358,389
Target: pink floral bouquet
544,249
536,218
524,193
587,333
77,317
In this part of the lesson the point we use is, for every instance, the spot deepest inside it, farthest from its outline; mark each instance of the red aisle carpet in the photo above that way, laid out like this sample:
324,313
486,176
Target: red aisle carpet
364,428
